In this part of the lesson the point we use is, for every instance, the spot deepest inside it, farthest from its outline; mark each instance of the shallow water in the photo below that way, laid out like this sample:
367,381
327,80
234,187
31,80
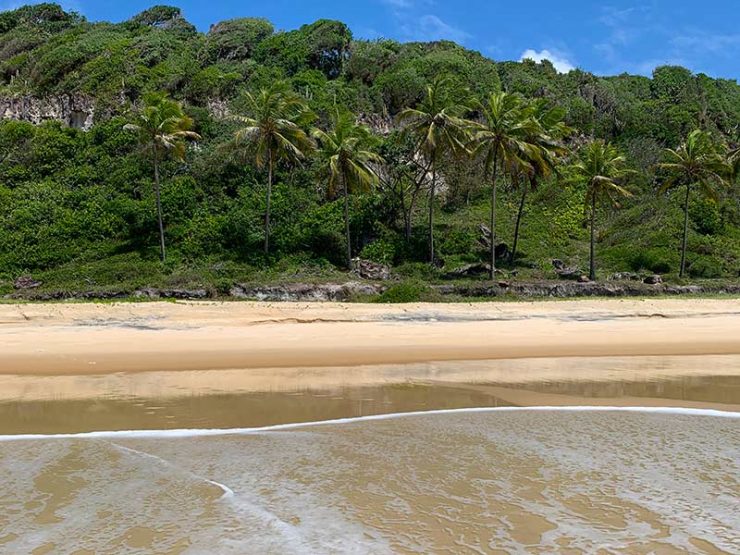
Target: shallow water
504,479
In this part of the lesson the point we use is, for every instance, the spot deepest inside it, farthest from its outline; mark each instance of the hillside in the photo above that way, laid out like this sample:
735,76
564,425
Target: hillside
77,209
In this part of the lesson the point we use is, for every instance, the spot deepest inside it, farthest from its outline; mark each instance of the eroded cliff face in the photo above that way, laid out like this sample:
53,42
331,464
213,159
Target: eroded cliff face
77,111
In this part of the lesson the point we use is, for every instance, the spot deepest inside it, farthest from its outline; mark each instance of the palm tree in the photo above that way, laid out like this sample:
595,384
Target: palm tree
695,163
439,128
548,137
601,168
272,133
347,157
504,139
163,130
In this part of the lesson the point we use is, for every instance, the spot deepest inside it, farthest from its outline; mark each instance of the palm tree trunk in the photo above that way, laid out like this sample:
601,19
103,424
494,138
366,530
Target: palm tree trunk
512,256
493,215
432,195
268,204
684,242
409,215
346,224
157,194
592,265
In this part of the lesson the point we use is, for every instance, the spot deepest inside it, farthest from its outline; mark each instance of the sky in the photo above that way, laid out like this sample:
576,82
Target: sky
605,37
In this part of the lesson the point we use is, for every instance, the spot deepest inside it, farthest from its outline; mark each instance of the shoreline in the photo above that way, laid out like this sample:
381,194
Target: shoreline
88,339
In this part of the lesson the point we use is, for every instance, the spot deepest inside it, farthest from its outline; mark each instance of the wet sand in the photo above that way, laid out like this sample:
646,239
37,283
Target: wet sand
77,339
228,399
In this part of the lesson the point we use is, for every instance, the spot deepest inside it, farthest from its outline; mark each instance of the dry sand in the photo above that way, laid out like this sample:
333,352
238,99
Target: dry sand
74,339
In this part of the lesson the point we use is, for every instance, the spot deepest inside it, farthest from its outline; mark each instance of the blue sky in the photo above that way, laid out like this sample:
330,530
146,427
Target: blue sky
605,37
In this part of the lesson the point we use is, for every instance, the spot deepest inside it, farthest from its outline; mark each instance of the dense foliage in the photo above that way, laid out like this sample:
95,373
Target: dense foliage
78,207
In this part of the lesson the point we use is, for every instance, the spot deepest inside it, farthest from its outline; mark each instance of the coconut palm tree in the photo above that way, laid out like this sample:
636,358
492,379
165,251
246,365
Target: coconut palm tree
504,140
273,132
437,124
548,139
346,154
601,168
696,163
163,129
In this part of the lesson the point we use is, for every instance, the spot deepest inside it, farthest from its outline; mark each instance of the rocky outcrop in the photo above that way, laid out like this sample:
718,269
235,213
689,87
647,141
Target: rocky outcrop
367,269
352,291
75,110
26,282
306,292
588,289
180,294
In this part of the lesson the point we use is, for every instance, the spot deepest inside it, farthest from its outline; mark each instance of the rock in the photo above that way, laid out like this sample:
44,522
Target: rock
147,293
26,282
625,276
75,110
504,284
366,269
583,279
653,280
469,270
306,292
565,272
180,294
184,294
502,249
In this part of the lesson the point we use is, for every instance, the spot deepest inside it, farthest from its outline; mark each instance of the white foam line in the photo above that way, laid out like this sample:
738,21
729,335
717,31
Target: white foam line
228,492
196,432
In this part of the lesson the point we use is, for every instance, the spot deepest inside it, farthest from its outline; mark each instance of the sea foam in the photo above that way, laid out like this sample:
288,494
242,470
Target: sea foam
197,432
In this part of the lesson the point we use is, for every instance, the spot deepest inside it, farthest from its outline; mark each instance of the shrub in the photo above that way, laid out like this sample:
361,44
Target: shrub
705,267
410,291
658,261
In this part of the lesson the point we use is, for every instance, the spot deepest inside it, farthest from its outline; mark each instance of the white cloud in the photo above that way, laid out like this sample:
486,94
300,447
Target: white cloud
562,64
401,4
430,28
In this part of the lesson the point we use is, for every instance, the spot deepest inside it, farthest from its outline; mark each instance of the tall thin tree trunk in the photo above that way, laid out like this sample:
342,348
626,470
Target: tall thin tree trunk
493,215
512,256
432,195
685,240
346,224
157,194
269,203
406,210
409,215
592,266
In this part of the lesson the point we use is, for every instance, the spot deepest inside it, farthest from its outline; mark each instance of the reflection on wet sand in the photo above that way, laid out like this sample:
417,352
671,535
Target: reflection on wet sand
253,398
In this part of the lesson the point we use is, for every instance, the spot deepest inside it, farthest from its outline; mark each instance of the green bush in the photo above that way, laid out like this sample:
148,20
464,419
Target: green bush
409,291
657,261
705,267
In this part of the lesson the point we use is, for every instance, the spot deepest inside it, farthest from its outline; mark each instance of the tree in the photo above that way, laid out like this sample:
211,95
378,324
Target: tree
346,153
163,129
695,163
504,140
601,168
272,132
439,128
548,137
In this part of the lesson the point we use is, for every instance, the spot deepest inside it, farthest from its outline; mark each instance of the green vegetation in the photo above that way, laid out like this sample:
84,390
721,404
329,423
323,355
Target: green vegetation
278,156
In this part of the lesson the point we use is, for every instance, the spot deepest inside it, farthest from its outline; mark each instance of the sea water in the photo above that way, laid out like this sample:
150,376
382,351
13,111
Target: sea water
379,469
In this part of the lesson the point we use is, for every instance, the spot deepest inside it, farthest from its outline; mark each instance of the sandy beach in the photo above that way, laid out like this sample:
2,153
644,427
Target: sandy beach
75,339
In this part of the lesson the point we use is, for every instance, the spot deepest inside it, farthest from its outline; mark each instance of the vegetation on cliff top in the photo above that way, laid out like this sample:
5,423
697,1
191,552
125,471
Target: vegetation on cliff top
78,209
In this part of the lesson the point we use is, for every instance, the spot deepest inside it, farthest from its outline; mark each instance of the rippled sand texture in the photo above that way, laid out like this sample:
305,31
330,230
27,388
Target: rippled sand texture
541,481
